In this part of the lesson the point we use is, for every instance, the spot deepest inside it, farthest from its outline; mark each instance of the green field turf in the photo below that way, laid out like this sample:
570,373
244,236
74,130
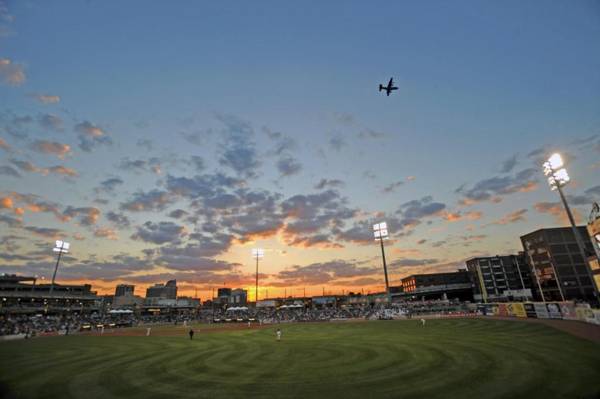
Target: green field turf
459,358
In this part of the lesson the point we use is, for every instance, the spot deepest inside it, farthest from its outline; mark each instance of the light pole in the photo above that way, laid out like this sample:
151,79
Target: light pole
62,247
557,178
257,253
381,233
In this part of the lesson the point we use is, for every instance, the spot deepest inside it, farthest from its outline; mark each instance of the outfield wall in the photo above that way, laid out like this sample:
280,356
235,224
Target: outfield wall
541,310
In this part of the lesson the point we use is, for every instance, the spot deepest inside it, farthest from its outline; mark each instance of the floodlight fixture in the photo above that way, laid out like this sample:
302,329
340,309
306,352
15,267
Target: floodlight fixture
258,253
555,161
380,231
62,247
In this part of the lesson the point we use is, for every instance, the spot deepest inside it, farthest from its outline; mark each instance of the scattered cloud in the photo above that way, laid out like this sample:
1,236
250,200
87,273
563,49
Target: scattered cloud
392,187
50,122
494,188
51,147
329,183
45,98
509,164
512,217
288,166
10,73
91,136
160,233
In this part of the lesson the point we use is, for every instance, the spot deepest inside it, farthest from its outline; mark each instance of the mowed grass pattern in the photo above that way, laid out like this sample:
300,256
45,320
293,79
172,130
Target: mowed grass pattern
458,358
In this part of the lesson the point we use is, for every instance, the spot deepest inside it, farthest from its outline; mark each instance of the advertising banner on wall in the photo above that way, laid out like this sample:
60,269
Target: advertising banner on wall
530,310
554,311
568,310
516,309
585,313
541,311
503,310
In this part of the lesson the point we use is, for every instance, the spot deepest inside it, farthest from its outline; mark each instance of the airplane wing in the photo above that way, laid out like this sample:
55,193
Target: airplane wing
391,83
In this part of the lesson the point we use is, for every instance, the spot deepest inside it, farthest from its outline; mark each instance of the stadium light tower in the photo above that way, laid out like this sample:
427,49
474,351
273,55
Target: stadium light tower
380,232
257,253
558,178
62,247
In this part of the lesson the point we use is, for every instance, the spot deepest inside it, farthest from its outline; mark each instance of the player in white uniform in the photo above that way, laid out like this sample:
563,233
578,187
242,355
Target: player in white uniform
278,334
423,322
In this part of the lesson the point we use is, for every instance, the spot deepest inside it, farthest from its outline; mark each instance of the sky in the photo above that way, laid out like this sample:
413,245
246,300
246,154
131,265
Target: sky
166,140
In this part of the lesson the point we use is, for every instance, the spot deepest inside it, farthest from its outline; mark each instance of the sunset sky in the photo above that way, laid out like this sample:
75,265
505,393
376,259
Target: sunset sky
165,140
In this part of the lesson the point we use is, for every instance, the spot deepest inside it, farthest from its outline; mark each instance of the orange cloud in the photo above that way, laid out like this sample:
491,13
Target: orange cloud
11,73
6,203
51,147
107,233
46,98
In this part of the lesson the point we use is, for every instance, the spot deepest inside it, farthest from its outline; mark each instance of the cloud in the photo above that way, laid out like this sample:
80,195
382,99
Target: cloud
45,98
329,183
104,232
512,217
45,232
109,185
312,214
51,147
196,256
9,171
139,165
11,221
154,200
91,136
556,210
282,143
178,214
494,188
392,187
146,144
160,233
4,145
29,167
288,166
337,143
412,262
458,216
371,134
238,150
51,122
509,164
322,273
87,215
10,73
118,219
62,170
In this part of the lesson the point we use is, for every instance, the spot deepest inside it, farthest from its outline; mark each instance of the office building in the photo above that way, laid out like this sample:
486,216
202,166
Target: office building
124,290
500,278
561,273
165,291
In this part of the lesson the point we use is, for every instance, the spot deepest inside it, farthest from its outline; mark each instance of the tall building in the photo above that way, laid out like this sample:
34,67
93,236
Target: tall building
500,278
561,273
593,229
166,291
124,290
238,296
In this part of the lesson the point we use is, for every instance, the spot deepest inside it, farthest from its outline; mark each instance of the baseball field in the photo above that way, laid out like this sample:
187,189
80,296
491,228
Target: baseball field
452,358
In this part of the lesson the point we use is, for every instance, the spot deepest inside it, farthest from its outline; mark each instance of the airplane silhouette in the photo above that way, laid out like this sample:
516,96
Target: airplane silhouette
390,86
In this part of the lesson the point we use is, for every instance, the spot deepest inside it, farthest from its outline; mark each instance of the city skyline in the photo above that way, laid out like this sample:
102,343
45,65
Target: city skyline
168,142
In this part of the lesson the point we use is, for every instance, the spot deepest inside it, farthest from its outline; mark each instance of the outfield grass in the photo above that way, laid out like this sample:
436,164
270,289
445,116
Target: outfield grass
459,358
